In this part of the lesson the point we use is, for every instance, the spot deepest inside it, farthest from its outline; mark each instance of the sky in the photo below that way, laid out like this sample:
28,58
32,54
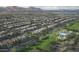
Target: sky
53,3
59,7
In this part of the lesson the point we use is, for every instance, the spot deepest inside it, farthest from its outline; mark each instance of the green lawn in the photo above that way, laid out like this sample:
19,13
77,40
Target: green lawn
45,43
74,25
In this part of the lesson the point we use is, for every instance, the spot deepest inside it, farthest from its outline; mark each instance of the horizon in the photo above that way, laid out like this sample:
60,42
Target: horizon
49,7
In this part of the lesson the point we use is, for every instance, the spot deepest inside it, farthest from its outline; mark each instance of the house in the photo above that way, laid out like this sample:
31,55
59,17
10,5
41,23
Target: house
63,35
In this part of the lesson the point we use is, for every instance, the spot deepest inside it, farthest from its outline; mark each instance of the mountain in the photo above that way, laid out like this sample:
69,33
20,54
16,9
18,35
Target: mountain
17,9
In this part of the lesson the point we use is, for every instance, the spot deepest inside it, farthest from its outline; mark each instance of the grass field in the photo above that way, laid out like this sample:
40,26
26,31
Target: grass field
74,25
45,43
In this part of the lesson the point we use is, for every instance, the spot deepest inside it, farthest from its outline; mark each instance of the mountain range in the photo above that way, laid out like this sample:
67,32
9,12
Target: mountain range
16,9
